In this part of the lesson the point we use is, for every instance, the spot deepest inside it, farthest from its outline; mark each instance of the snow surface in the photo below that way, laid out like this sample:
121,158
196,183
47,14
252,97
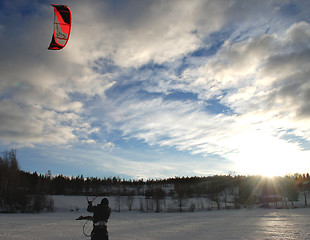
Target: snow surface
222,224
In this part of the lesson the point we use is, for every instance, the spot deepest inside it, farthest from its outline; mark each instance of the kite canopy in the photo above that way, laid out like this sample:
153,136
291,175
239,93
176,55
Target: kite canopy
62,27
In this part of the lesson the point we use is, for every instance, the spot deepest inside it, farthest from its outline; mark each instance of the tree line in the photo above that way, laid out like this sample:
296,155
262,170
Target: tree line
29,192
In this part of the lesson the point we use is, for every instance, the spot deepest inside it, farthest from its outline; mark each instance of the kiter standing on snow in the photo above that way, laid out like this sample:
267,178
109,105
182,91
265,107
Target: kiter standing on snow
101,215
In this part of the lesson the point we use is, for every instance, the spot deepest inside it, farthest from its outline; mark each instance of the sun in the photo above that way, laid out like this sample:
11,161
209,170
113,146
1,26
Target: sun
269,156
269,173
267,167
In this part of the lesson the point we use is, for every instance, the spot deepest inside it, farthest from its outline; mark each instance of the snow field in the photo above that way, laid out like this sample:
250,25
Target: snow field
224,224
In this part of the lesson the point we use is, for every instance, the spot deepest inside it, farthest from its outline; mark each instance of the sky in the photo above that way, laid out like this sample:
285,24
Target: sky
157,89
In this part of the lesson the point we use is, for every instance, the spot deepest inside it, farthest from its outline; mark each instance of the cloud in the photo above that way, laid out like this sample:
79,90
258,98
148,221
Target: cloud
135,33
183,125
280,77
194,76
242,76
25,126
260,72
43,91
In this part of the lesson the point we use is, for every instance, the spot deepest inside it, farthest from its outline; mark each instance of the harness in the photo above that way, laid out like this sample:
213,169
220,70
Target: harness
100,224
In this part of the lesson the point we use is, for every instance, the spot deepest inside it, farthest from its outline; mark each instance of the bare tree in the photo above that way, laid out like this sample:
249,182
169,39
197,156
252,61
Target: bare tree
159,195
180,195
130,199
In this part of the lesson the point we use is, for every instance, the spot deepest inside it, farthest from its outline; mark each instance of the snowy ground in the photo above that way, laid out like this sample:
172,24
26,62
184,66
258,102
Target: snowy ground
223,224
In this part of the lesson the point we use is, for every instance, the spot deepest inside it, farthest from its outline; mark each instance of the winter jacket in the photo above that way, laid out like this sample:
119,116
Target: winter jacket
101,212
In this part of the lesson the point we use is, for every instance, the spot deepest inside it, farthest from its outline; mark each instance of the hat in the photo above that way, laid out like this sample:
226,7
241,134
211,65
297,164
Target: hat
105,201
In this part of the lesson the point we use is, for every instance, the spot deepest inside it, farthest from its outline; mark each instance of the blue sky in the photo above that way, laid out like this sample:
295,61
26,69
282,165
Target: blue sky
156,89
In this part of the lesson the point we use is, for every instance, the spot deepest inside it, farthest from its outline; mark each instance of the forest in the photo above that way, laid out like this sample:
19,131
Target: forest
22,191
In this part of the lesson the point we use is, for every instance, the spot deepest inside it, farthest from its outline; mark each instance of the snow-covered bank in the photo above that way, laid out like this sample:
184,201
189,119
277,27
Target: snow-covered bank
79,203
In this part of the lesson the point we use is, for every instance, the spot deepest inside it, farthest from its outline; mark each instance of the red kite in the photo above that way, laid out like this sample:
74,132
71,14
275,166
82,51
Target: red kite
62,27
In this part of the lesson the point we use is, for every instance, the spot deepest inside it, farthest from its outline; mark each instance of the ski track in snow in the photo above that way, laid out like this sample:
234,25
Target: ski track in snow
223,224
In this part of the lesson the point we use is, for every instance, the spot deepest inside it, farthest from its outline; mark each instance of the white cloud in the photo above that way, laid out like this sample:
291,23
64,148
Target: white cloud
25,126
141,32
245,68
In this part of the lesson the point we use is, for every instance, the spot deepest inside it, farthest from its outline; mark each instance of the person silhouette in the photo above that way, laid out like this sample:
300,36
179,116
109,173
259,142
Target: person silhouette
101,214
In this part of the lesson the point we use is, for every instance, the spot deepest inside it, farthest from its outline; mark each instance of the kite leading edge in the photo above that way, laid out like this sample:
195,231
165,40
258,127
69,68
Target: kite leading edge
62,27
